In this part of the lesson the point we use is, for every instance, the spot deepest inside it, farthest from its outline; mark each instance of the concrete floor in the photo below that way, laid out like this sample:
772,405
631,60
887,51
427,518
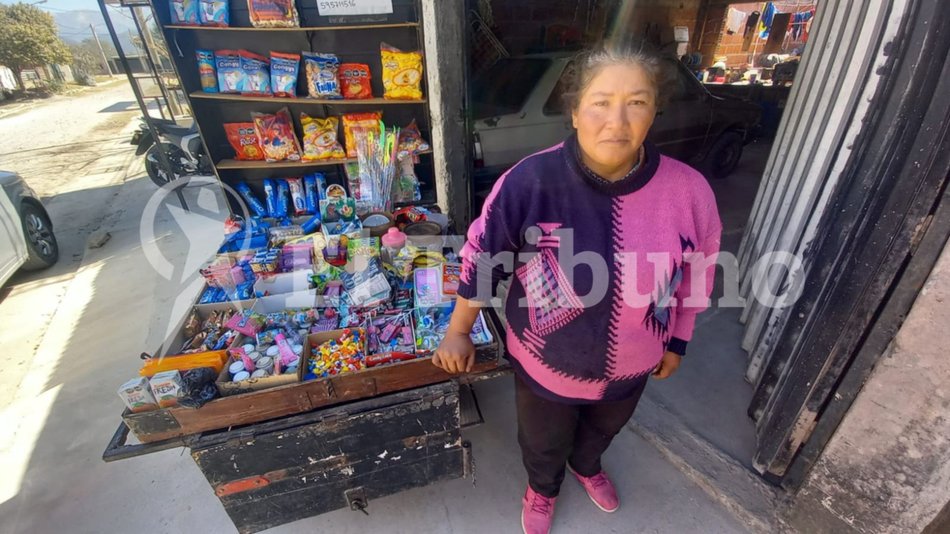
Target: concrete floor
709,392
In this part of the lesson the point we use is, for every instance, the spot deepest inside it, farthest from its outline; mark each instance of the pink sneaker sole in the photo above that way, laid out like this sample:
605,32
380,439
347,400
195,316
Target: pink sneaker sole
597,504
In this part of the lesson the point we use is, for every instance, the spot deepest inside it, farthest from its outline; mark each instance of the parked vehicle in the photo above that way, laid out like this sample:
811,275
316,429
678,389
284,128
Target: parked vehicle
26,233
518,109
181,145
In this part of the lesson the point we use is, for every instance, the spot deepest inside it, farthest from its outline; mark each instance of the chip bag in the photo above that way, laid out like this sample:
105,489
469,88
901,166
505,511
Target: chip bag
411,142
243,138
321,70
402,73
273,13
184,12
320,138
277,137
283,73
355,81
256,74
213,12
368,121
228,65
206,72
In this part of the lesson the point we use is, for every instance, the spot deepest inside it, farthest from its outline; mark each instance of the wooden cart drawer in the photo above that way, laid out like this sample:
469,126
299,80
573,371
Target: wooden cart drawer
274,473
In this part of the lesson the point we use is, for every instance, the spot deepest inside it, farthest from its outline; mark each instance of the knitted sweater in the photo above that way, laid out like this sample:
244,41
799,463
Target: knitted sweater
591,328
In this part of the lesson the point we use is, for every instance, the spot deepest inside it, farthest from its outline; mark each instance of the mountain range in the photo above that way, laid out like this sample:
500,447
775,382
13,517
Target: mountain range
74,26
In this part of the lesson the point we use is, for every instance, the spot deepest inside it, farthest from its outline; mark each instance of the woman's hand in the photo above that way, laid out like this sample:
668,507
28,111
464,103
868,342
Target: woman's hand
456,353
667,366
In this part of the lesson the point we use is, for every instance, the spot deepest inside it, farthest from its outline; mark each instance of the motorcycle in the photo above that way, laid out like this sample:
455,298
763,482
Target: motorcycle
182,147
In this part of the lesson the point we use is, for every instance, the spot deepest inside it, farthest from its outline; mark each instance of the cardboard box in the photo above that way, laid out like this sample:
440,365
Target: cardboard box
176,339
227,387
287,290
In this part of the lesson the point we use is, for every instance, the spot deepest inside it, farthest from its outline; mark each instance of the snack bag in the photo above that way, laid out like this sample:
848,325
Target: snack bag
402,73
244,140
270,198
283,205
276,133
184,12
213,13
311,194
320,138
321,70
283,73
368,121
355,81
206,72
253,202
228,65
256,70
273,13
411,142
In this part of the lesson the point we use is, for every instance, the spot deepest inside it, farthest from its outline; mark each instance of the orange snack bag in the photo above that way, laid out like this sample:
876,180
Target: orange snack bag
244,140
368,121
355,81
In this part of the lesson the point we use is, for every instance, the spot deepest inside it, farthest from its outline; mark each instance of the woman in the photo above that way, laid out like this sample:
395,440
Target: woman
584,340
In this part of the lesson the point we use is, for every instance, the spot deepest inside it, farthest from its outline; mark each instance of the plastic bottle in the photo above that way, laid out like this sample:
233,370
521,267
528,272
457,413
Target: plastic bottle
393,242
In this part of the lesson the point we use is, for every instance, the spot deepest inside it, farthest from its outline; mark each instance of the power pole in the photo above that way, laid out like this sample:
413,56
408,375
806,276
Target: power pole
101,51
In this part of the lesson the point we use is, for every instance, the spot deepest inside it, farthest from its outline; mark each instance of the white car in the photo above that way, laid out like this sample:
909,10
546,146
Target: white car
26,233
517,109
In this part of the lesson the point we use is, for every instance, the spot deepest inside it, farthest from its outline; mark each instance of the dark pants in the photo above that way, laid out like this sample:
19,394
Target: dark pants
552,433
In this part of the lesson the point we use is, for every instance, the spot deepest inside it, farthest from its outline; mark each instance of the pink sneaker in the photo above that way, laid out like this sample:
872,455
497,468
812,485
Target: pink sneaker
537,512
600,490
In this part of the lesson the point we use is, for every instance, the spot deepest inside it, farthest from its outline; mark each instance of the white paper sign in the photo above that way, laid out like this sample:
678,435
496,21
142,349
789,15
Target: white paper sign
354,7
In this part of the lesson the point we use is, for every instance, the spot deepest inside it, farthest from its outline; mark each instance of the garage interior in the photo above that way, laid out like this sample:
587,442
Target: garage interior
734,56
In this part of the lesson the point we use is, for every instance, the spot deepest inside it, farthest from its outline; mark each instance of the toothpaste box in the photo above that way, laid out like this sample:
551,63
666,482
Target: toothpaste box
137,395
166,387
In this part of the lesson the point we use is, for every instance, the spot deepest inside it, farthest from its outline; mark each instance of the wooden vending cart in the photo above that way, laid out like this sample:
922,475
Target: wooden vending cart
297,450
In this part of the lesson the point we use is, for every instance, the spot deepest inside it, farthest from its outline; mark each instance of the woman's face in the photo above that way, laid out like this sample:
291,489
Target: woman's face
613,116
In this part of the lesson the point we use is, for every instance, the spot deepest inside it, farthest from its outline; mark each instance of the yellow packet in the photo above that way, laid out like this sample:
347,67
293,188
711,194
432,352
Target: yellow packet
320,138
402,73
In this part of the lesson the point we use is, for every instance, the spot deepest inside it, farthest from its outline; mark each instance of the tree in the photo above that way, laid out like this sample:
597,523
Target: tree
86,56
28,38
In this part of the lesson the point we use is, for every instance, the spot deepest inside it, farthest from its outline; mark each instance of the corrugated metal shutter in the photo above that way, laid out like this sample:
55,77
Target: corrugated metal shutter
831,97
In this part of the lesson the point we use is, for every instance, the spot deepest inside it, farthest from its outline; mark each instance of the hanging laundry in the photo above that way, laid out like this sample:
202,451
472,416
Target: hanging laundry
798,24
735,20
765,22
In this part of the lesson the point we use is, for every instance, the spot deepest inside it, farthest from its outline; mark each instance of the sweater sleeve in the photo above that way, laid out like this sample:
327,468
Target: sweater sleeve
492,242
699,275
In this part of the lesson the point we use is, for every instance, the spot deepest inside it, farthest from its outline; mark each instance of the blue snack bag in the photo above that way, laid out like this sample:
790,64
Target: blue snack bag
230,75
213,13
184,12
206,72
284,69
321,185
283,206
270,198
252,201
322,79
255,79
311,196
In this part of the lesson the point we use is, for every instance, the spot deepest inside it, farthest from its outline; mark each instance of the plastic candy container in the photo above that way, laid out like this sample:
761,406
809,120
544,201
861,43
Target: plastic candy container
338,356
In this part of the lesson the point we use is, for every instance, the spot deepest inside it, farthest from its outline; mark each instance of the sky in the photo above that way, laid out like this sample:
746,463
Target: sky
60,5
74,16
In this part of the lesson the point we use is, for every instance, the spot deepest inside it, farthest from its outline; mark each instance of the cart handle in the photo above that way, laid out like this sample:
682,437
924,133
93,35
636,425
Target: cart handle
118,450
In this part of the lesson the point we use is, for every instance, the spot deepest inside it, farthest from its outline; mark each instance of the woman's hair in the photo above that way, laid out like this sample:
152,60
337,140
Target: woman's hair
588,64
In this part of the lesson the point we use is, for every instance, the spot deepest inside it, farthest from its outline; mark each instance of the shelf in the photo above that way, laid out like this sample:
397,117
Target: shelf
304,29
301,100
233,164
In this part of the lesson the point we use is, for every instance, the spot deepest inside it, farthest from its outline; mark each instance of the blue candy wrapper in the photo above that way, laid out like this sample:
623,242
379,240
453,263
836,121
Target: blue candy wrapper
283,204
270,198
184,12
230,75
284,69
213,13
321,186
312,224
252,201
311,196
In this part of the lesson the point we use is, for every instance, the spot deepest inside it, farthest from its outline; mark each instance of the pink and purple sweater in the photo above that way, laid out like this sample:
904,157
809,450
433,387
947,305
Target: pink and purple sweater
579,333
